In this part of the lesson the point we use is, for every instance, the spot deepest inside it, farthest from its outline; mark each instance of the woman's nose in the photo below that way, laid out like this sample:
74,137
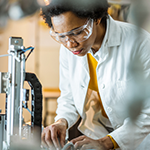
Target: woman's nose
71,44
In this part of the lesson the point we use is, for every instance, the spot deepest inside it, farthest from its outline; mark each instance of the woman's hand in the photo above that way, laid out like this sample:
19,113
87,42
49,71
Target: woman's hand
53,136
84,143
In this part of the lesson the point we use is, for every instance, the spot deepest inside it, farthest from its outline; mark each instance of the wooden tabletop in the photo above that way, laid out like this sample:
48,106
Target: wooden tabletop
51,92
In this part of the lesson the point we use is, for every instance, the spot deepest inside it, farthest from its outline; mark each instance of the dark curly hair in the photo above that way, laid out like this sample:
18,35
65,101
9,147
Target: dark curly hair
93,9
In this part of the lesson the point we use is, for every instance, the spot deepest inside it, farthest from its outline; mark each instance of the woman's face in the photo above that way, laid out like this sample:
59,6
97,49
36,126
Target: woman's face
67,22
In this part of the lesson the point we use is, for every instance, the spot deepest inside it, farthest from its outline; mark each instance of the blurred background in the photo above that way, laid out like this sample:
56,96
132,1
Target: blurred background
21,18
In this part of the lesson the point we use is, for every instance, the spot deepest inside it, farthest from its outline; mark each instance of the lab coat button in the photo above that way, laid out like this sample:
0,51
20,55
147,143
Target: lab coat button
103,86
109,109
106,42
82,86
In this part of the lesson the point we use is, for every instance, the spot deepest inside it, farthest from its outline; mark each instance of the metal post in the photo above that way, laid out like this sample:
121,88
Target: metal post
2,119
21,94
15,68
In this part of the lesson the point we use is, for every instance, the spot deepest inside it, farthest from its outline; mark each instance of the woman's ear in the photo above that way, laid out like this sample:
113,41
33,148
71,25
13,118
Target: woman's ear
98,21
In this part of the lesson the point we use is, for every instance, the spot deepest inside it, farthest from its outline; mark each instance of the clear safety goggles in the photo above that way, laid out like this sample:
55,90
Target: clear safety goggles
79,34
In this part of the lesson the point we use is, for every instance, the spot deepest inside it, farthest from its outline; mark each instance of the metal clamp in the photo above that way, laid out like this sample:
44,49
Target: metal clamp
4,82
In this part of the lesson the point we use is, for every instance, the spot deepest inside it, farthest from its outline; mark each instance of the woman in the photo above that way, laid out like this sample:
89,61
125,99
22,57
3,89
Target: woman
95,56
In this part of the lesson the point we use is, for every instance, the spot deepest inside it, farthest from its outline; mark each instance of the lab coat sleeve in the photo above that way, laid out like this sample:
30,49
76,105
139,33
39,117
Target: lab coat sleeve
66,108
130,134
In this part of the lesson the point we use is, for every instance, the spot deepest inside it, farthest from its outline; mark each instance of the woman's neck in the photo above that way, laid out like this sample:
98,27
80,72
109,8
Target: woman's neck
101,30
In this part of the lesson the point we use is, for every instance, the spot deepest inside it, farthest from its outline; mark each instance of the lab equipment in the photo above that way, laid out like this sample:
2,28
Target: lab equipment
15,133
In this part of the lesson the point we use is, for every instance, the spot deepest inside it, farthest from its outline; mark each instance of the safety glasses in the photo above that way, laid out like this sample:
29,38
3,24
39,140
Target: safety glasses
79,34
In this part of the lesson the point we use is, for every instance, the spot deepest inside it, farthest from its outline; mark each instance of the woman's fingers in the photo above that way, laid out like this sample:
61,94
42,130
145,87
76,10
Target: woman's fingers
80,141
80,138
62,139
86,146
43,140
84,143
54,136
46,138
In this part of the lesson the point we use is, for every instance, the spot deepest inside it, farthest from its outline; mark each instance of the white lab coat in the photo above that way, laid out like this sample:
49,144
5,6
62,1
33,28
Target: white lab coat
120,48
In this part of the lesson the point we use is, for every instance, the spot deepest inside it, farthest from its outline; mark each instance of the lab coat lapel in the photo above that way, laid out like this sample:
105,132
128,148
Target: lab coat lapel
113,31
84,78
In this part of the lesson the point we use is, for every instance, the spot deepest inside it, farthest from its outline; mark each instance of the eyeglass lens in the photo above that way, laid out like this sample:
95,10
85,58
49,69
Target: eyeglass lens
76,35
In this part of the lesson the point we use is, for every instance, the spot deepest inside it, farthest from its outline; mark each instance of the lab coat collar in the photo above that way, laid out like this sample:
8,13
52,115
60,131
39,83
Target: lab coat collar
84,62
112,38
114,33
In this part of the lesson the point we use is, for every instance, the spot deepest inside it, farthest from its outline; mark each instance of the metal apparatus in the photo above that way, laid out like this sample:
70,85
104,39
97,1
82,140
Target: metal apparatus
12,126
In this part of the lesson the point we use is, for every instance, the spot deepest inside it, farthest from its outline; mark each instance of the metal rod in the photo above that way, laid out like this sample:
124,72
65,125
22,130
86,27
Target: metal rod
21,95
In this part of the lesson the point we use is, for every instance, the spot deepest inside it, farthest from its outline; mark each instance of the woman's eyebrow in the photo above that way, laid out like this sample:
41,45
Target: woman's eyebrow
75,28
78,27
70,30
